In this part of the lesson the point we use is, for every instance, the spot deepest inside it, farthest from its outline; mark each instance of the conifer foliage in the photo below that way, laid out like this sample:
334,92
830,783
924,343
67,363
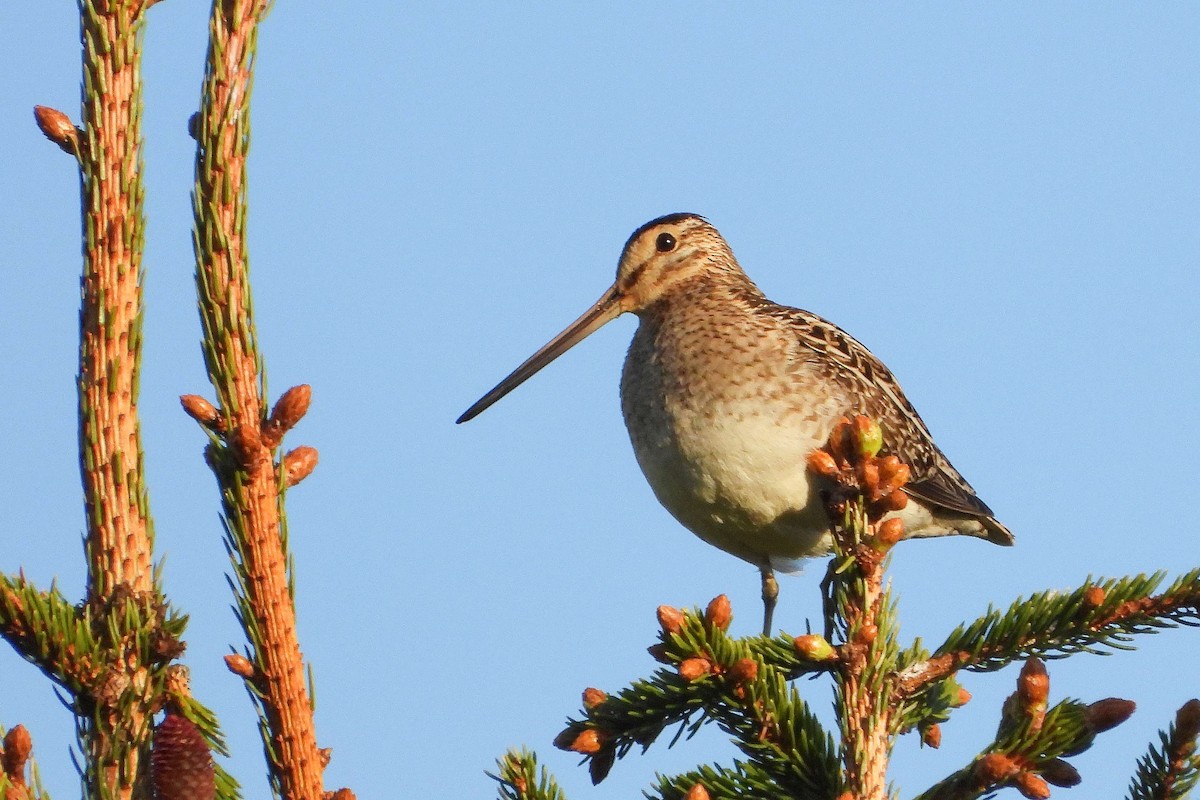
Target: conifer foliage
115,654
748,688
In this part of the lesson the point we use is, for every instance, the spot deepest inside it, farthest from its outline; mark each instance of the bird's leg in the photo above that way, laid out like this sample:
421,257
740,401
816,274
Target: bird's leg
770,593
827,598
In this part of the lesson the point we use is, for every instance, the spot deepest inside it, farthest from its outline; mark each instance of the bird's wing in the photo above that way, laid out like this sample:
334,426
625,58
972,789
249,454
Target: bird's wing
872,385
941,490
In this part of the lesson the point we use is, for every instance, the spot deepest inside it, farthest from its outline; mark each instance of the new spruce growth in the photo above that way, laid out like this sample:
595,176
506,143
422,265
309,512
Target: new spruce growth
748,687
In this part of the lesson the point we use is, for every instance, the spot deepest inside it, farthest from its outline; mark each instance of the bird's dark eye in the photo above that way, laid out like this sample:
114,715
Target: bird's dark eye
665,242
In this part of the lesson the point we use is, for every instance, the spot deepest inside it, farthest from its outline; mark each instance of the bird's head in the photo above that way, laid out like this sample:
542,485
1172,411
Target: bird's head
659,257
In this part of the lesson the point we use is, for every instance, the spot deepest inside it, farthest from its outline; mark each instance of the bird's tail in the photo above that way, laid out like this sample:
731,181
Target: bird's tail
997,533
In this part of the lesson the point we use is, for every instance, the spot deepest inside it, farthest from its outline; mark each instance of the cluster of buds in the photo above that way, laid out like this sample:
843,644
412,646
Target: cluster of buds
589,738
672,621
737,675
717,616
1026,710
851,460
694,666
249,443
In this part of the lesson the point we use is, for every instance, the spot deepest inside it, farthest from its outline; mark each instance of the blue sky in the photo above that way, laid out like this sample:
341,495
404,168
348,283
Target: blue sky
1000,200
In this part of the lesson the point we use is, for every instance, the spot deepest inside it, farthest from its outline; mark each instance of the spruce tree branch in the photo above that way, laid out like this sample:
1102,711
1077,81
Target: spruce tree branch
1099,614
866,488
742,684
964,784
113,710
865,723
119,530
1170,770
520,778
242,454
48,631
743,781
1022,756
785,742
110,653
715,679
1032,741
641,712
930,706
793,660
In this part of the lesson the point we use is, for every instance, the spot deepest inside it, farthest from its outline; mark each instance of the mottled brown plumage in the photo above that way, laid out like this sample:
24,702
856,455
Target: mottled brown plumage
725,393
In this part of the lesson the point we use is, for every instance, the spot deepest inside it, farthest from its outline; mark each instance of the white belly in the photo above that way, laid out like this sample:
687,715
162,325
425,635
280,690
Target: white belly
740,483
728,459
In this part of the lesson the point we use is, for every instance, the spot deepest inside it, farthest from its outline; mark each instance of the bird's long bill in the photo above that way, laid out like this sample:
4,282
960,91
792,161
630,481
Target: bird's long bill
606,309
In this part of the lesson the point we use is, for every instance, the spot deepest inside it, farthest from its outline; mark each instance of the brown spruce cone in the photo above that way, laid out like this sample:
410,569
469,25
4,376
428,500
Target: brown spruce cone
180,762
